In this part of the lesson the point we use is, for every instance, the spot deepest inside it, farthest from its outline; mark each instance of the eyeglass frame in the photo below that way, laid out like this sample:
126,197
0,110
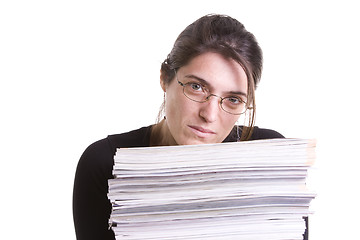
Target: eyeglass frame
211,95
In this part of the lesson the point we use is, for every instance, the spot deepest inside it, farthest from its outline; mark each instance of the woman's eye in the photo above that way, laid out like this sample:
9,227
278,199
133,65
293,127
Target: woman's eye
196,86
234,100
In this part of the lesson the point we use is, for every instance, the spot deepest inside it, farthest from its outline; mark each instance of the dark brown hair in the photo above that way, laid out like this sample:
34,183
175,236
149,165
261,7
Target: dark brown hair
226,36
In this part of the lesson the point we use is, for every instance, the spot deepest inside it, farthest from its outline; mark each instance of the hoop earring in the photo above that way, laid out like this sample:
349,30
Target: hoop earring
164,106
238,133
161,114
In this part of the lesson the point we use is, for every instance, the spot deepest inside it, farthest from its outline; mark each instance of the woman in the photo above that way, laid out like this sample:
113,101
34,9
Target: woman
209,80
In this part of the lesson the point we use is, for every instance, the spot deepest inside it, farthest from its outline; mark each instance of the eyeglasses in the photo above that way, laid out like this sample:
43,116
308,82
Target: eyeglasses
198,93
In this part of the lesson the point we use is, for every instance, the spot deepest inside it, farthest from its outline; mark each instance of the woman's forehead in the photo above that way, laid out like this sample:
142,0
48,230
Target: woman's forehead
215,72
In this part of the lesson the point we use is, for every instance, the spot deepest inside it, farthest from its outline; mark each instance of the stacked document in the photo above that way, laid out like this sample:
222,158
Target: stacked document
242,190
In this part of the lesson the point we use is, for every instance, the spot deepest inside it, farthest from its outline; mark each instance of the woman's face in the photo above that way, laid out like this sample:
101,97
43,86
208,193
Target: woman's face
191,122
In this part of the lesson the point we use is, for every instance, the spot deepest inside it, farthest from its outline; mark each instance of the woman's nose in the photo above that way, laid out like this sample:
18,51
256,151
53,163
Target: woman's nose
209,110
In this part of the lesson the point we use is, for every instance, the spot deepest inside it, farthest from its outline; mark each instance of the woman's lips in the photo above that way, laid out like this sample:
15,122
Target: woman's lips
201,132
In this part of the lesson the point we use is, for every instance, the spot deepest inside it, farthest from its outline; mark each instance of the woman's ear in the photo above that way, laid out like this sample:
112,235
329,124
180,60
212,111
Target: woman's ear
162,81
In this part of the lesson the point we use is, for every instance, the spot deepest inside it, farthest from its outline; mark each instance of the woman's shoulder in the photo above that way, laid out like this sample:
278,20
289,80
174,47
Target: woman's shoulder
135,138
257,134
101,153
264,133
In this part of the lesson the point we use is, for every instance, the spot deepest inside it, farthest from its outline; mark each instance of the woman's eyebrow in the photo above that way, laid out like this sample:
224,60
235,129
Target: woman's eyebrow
210,87
238,93
201,80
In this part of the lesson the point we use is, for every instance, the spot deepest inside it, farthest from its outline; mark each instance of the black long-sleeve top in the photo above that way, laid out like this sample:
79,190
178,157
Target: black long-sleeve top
91,207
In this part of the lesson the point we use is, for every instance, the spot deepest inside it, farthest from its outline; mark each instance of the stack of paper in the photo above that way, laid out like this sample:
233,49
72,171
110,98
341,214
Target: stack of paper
244,190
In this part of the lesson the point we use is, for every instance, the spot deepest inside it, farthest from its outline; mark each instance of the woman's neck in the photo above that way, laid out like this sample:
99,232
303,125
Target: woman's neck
161,136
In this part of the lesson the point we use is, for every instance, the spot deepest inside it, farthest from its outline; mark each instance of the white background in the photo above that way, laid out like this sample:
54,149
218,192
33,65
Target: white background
73,72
